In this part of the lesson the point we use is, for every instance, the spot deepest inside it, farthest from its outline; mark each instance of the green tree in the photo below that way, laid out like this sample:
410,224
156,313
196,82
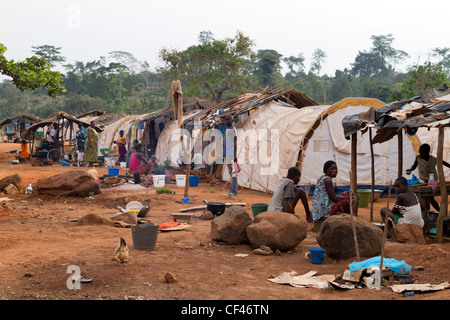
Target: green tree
296,66
421,78
318,58
268,68
31,74
51,54
210,68
444,54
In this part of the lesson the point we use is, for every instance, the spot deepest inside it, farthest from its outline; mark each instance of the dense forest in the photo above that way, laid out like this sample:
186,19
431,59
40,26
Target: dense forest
215,69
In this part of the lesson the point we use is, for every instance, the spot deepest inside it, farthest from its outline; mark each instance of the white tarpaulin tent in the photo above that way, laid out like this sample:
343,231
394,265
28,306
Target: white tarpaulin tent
275,138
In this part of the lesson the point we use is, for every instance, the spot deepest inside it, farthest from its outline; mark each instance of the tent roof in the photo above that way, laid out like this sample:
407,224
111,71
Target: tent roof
430,109
249,101
21,116
189,104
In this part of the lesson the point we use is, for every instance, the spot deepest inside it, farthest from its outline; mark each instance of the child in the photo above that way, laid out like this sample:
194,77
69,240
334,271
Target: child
79,154
407,208
286,195
24,154
427,165
325,200
121,143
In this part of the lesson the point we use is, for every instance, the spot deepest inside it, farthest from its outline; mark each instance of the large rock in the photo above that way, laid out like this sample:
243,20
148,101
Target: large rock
75,183
408,233
336,237
230,226
277,230
14,179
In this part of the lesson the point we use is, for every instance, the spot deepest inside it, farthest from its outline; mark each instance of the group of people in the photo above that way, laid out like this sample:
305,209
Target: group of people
326,202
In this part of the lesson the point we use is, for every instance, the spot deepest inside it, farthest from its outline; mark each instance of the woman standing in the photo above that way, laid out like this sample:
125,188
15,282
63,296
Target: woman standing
91,145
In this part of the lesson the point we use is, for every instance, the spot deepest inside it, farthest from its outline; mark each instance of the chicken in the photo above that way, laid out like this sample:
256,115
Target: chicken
121,252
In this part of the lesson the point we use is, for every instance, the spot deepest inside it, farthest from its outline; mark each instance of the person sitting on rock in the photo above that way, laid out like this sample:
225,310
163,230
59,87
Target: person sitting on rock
407,208
286,194
326,201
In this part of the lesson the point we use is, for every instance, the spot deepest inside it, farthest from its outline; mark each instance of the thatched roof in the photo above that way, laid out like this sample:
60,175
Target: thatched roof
249,101
19,117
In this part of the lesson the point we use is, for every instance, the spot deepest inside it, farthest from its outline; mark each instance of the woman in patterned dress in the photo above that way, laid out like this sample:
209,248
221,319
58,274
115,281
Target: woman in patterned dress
91,145
325,200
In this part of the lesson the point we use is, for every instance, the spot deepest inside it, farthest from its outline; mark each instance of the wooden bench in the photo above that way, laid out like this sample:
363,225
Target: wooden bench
182,216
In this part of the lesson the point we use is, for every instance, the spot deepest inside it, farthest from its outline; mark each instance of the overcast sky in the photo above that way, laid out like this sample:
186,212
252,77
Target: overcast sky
86,30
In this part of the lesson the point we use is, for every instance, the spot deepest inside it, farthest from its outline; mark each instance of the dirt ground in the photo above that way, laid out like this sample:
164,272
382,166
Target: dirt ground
39,241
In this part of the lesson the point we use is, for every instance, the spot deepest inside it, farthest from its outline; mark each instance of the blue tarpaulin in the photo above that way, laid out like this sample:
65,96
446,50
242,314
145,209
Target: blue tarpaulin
399,267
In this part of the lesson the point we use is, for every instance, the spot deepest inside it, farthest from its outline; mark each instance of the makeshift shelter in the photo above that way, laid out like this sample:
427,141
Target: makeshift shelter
156,122
278,137
429,110
36,133
14,127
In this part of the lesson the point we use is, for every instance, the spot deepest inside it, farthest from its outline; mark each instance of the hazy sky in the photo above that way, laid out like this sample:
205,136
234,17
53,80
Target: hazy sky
89,29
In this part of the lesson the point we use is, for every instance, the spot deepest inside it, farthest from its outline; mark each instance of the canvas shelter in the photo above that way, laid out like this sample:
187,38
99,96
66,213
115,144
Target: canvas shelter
278,137
66,127
429,111
15,126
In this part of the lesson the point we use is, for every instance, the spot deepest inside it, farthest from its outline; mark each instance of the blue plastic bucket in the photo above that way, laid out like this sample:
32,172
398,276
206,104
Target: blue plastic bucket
193,181
186,200
317,255
113,171
65,164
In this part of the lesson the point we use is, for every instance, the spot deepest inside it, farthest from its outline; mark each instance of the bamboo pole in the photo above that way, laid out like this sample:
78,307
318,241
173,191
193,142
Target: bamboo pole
442,186
355,238
385,228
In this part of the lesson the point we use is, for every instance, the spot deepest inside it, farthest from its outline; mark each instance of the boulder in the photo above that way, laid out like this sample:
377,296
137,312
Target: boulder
277,230
14,179
408,233
230,226
336,237
11,189
70,184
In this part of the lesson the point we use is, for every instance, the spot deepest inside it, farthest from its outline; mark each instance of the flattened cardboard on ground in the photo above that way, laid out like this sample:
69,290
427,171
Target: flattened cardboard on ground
420,287
307,280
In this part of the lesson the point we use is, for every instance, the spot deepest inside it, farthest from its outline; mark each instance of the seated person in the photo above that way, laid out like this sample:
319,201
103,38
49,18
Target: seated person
325,200
427,166
135,164
407,208
286,195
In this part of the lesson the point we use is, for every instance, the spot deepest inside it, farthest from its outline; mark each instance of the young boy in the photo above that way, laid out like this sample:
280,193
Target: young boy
427,165
407,208
286,195
79,155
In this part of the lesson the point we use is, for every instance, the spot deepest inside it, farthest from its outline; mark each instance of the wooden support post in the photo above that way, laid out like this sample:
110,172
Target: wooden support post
400,153
442,186
353,177
354,224
385,228
372,169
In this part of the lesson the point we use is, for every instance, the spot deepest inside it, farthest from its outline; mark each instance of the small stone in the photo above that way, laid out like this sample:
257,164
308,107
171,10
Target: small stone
262,252
170,278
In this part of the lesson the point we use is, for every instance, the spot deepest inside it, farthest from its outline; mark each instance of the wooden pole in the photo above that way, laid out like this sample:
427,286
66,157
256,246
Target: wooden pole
442,186
353,177
354,224
372,160
400,154
385,229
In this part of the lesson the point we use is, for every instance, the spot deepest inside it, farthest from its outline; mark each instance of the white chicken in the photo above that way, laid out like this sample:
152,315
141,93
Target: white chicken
121,252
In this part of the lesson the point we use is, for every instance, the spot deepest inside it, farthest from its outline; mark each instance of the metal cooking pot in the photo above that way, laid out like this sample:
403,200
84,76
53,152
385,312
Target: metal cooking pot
217,208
